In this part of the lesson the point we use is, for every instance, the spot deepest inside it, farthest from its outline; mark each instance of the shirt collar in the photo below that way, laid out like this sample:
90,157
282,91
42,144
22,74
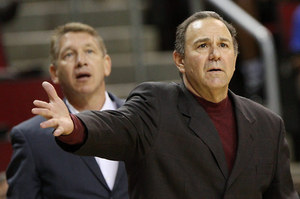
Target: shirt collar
108,105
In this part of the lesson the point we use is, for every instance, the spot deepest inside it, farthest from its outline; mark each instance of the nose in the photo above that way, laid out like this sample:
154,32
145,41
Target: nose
81,59
214,53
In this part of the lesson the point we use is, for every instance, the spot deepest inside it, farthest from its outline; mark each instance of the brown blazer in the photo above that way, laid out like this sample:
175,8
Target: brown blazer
172,150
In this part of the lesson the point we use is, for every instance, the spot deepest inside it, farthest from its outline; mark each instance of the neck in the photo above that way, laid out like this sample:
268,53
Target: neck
87,102
211,95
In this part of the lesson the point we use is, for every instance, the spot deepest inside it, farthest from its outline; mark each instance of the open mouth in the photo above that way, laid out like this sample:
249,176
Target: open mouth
214,70
82,76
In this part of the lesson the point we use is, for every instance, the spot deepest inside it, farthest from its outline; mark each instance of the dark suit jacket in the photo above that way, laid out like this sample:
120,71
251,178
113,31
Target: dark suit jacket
40,169
172,149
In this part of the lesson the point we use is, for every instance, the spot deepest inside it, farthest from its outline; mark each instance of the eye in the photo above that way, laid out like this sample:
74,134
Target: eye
204,45
223,45
68,55
89,51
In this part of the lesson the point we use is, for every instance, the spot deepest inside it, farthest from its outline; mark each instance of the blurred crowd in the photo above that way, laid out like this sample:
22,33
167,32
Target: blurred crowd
8,10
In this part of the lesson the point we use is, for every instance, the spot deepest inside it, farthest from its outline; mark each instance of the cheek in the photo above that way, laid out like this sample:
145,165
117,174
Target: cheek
230,63
99,71
195,63
232,67
65,75
194,74
61,74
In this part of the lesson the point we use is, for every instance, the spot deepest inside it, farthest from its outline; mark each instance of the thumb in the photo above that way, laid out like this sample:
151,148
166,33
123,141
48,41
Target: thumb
50,90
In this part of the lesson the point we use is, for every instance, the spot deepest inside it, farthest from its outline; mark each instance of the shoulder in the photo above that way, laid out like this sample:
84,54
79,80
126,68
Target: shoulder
254,110
157,87
28,127
30,123
154,92
28,135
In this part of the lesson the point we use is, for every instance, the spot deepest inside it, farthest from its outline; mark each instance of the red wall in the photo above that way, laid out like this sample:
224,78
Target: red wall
16,99
15,106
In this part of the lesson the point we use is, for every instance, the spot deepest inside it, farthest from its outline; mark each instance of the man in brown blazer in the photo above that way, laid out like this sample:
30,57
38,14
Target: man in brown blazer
191,140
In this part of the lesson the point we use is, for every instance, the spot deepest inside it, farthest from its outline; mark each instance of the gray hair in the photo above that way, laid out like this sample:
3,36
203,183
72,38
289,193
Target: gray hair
181,30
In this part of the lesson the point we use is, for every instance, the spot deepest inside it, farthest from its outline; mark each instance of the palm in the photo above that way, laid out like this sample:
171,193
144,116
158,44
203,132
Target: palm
55,111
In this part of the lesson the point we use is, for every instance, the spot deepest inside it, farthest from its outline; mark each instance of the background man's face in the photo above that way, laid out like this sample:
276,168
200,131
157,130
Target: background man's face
81,65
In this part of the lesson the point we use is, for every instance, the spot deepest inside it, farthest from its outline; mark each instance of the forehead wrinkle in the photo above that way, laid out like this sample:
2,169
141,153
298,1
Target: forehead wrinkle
201,40
71,46
205,39
226,39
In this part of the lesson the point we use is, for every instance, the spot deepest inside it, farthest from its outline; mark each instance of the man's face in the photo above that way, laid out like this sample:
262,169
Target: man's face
81,65
209,61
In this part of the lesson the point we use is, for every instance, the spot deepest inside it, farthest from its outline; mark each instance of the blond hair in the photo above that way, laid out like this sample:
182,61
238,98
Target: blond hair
72,27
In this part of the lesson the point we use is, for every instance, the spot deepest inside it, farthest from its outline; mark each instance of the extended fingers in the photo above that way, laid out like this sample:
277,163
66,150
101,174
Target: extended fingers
42,108
46,113
41,104
59,131
51,123
54,123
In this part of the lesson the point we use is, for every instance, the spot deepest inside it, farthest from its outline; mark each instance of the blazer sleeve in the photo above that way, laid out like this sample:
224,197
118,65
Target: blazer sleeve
22,176
127,133
282,186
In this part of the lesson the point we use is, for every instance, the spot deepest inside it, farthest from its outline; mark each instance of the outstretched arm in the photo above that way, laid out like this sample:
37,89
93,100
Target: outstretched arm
55,111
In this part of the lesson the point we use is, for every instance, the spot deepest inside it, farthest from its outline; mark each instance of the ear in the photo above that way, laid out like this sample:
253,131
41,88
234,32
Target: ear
179,62
53,74
107,65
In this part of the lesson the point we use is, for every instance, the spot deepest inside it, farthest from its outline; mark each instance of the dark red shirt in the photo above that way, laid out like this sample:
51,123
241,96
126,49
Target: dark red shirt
77,136
223,118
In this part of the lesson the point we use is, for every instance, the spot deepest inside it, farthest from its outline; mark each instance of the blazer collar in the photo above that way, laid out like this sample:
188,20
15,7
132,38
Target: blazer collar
202,126
95,169
117,100
245,121
120,173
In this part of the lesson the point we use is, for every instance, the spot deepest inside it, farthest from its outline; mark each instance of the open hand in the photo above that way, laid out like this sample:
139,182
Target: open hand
55,111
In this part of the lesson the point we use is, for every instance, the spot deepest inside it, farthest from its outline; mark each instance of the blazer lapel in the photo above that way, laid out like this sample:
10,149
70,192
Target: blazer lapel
91,162
203,127
94,167
121,171
245,136
119,102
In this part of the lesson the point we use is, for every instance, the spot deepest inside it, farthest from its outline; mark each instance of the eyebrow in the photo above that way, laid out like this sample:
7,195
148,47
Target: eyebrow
225,39
201,40
207,39
62,51
70,47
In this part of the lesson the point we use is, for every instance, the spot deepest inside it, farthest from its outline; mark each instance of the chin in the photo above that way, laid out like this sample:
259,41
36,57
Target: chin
218,83
84,90
215,85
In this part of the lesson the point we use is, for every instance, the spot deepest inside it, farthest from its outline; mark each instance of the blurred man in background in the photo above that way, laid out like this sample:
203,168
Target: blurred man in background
39,168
